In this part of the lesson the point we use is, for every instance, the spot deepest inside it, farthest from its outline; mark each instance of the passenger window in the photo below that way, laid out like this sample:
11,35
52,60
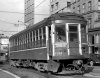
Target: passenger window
44,37
60,33
83,33
36,38
33,38
40,36
73,33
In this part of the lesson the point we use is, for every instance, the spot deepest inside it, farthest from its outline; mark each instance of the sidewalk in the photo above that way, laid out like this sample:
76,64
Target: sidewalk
94,73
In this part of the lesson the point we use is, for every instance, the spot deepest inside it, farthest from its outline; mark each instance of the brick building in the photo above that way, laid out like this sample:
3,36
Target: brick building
91,11
29,12
58,6
36,10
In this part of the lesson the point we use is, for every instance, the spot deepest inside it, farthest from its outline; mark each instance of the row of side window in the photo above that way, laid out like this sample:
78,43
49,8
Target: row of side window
31,39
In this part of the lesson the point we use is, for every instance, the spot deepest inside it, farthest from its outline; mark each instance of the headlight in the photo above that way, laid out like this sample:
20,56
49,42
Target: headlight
79,62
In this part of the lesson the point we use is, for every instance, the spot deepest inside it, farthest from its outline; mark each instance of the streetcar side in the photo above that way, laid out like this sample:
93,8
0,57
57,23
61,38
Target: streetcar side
55,44
31,47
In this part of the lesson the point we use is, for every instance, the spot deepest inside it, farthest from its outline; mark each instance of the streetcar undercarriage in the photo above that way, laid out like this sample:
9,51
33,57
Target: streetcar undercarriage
56,67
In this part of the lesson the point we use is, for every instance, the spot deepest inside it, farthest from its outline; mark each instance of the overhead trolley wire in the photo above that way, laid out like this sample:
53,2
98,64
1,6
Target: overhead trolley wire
21,13
24,13
7,31
7,22
11,12
40,3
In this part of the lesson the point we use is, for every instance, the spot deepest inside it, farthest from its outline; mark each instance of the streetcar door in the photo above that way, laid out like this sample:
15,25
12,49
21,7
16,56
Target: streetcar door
59,39
74,39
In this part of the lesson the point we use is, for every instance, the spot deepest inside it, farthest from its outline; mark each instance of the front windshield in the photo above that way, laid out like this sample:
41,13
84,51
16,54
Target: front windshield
60,33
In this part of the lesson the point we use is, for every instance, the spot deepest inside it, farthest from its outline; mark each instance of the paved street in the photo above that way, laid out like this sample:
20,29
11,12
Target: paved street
6,74
94,74
24,73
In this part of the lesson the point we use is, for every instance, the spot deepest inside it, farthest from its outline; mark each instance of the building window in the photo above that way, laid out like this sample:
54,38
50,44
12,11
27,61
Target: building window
98,16
68,4
78,0
98,4
74,9
51,0
96,38
78,9
52,7
84,7
89,23
57,5
89,6
99,7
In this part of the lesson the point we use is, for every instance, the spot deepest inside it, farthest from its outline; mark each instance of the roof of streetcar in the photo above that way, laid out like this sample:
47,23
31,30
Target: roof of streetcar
47,21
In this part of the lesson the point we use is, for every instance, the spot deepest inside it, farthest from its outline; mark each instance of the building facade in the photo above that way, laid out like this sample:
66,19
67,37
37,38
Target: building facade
41,10
29,12
58,6
91,11
36,10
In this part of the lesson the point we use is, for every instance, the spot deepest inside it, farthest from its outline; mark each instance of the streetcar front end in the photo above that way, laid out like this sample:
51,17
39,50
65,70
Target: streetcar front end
69,43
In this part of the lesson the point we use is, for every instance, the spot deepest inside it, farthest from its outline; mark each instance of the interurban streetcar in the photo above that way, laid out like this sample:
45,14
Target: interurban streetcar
4,44
55,44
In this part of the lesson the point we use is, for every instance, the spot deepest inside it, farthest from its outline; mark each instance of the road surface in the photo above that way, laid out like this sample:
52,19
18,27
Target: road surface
24,73
6,74
94,74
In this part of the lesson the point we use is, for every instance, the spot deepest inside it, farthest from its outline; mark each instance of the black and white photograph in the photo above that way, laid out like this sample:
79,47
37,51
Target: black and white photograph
49,38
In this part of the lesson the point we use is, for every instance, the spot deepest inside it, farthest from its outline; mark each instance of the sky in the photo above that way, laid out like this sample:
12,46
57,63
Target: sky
43,8
11,11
